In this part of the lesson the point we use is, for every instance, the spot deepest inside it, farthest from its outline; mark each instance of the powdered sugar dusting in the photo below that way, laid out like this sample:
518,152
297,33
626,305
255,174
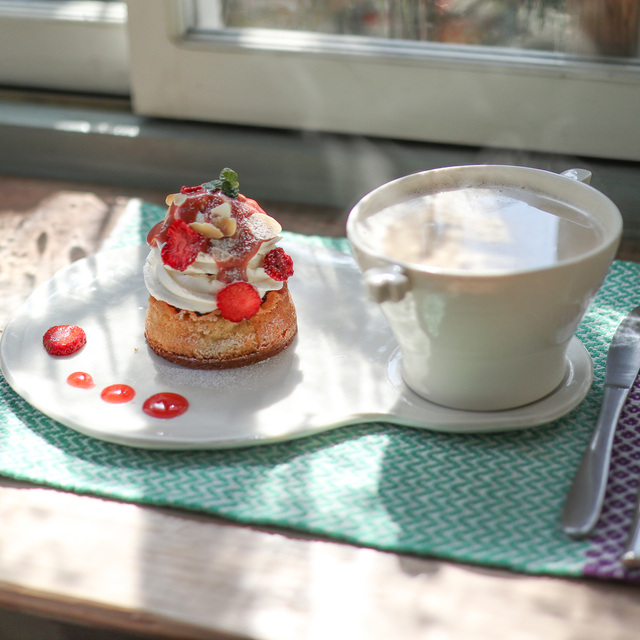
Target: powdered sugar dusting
240,379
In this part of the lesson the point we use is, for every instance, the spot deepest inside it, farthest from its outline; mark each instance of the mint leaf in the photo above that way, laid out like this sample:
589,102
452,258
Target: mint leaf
227,183
230,184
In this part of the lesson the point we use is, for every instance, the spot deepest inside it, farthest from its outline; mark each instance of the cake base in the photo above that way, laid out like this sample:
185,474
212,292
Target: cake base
210,341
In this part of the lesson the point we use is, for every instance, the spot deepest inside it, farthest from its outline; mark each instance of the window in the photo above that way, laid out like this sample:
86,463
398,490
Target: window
539,75
556,76
67,45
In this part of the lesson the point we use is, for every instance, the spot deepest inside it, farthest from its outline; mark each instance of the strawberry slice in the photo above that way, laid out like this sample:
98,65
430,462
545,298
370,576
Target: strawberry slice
238,300
182,246
278,264
64,339
190,189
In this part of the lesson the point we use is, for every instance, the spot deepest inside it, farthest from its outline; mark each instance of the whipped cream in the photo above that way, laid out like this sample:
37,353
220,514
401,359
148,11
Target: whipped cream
235,236
196,288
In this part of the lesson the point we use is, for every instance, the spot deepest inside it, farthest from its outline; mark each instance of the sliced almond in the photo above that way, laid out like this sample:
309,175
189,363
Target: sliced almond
207,230
179,199
263,227
222,210
169,199
226,225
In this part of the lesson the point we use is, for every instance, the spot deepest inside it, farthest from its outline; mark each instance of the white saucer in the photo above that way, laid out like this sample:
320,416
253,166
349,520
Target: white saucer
343,368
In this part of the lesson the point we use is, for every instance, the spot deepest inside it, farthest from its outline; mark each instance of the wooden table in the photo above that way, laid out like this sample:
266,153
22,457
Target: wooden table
122,569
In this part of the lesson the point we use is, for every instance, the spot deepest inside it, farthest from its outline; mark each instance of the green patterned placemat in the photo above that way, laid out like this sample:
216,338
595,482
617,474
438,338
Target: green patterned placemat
490,499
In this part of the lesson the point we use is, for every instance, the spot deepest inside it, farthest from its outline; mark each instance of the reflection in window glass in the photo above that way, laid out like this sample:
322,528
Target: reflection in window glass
591,27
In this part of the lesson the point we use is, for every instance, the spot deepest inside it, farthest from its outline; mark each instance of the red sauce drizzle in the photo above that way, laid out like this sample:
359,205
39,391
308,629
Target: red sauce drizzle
241,247
117,393
81,380
165,405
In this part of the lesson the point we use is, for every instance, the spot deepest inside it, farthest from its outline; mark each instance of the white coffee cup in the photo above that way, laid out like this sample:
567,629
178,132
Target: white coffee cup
480,337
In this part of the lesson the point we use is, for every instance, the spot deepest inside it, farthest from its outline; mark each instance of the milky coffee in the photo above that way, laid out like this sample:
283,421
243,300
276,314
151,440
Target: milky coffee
481,229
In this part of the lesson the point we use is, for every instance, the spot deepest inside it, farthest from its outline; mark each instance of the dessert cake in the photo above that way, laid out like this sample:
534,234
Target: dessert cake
217,280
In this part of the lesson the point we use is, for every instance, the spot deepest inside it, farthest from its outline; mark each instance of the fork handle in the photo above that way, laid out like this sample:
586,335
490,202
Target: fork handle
586,495
631,553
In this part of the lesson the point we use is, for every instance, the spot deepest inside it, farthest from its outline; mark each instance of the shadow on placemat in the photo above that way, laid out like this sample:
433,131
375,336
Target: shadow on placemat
492,499
489,499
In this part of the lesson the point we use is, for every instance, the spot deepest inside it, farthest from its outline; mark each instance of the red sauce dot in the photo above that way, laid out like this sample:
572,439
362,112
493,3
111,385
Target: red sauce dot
165,405
117,393
81,380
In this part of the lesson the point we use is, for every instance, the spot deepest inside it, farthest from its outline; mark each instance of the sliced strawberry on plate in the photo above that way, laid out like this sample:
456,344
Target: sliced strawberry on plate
182,246
278,264
238,300
64,339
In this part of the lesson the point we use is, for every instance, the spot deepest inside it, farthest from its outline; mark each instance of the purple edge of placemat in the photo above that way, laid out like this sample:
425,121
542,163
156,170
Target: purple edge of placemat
610,535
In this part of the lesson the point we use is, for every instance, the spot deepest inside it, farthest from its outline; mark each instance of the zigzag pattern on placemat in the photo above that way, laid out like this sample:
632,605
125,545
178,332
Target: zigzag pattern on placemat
480,498
489,499
610,534
602,557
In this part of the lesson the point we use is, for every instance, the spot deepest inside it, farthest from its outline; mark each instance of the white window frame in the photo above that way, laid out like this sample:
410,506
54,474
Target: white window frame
71,45
423,92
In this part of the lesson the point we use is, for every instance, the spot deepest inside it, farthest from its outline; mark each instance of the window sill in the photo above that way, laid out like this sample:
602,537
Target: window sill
99,140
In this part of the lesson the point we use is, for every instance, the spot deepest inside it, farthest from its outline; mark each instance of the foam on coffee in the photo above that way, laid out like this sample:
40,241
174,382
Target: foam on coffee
481,229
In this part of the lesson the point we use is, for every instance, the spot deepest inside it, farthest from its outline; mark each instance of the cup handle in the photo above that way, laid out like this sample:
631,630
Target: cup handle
385,284
581,175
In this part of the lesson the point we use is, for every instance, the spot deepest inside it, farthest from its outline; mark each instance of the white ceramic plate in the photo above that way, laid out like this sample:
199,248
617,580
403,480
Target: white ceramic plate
343,367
